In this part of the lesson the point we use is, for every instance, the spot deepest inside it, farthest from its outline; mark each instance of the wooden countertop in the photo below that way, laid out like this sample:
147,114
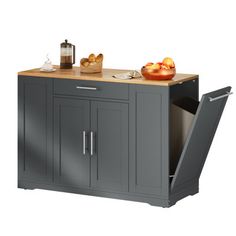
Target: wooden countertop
105,76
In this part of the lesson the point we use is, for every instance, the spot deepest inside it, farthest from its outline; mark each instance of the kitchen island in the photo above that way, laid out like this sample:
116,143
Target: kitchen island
137,139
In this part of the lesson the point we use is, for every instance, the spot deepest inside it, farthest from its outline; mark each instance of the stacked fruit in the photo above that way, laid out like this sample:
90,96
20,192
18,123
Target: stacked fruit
164,70
166,64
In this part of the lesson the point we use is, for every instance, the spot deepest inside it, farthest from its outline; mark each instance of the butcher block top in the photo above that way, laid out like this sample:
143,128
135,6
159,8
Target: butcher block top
105,76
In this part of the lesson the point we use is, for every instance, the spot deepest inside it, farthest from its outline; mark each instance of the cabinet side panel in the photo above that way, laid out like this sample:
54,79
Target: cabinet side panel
20,127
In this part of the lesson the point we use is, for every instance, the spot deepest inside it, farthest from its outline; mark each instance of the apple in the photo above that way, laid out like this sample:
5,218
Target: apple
149,64
156,66
165,67
168,62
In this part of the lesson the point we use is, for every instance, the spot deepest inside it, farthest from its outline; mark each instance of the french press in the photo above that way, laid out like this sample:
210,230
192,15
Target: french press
67,55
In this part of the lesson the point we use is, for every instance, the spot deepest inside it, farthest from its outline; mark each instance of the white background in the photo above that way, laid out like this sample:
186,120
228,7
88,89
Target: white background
198,35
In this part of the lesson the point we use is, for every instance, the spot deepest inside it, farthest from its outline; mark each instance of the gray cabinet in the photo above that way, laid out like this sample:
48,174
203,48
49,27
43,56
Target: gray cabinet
150,121
91,144
35,130
71,120
143,143
109,123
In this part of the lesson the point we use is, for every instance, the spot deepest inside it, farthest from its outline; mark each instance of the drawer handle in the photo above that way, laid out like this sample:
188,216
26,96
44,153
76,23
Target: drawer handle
86,88
219,97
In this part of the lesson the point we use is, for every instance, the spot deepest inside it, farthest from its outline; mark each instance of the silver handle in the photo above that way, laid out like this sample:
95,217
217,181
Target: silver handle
86,88
91,143
219,97
84,142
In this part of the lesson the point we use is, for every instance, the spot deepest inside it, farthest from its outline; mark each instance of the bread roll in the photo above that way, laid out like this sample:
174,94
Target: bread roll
99,58
84,62
92,58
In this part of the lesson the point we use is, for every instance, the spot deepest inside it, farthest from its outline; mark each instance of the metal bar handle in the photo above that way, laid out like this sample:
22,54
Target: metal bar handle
91,143
84,142
219,97
86,88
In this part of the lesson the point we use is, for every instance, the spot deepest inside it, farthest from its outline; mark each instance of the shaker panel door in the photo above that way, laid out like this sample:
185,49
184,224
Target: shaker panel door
148,149
34,129
149,142
71,119
109,122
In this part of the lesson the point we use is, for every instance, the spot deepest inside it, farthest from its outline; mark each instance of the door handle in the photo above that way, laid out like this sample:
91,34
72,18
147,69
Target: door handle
91,143
86,88
219,97
84,143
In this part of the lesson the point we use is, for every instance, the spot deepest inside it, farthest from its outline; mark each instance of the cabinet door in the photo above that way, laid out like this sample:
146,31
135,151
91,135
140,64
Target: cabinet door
71,166
109,122
34,129
149,169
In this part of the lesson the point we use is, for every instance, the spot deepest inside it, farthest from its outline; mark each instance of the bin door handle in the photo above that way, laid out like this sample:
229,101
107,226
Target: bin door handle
219,97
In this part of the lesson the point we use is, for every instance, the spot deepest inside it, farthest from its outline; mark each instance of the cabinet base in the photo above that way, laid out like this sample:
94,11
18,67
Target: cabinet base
153,201
191,188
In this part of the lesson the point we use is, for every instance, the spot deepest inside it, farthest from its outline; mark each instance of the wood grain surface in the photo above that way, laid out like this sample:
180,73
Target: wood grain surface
105,76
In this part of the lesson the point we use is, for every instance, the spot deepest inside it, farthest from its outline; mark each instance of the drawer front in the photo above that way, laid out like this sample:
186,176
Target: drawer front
91,89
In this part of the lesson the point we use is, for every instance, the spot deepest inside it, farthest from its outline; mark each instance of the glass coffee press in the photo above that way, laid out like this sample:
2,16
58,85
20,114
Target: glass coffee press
67,55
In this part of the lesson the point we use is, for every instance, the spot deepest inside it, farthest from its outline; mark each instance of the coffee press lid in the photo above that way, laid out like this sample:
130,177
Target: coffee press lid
66,44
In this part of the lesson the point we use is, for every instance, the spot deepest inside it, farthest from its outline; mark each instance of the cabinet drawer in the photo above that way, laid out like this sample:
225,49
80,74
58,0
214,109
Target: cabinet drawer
91,89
